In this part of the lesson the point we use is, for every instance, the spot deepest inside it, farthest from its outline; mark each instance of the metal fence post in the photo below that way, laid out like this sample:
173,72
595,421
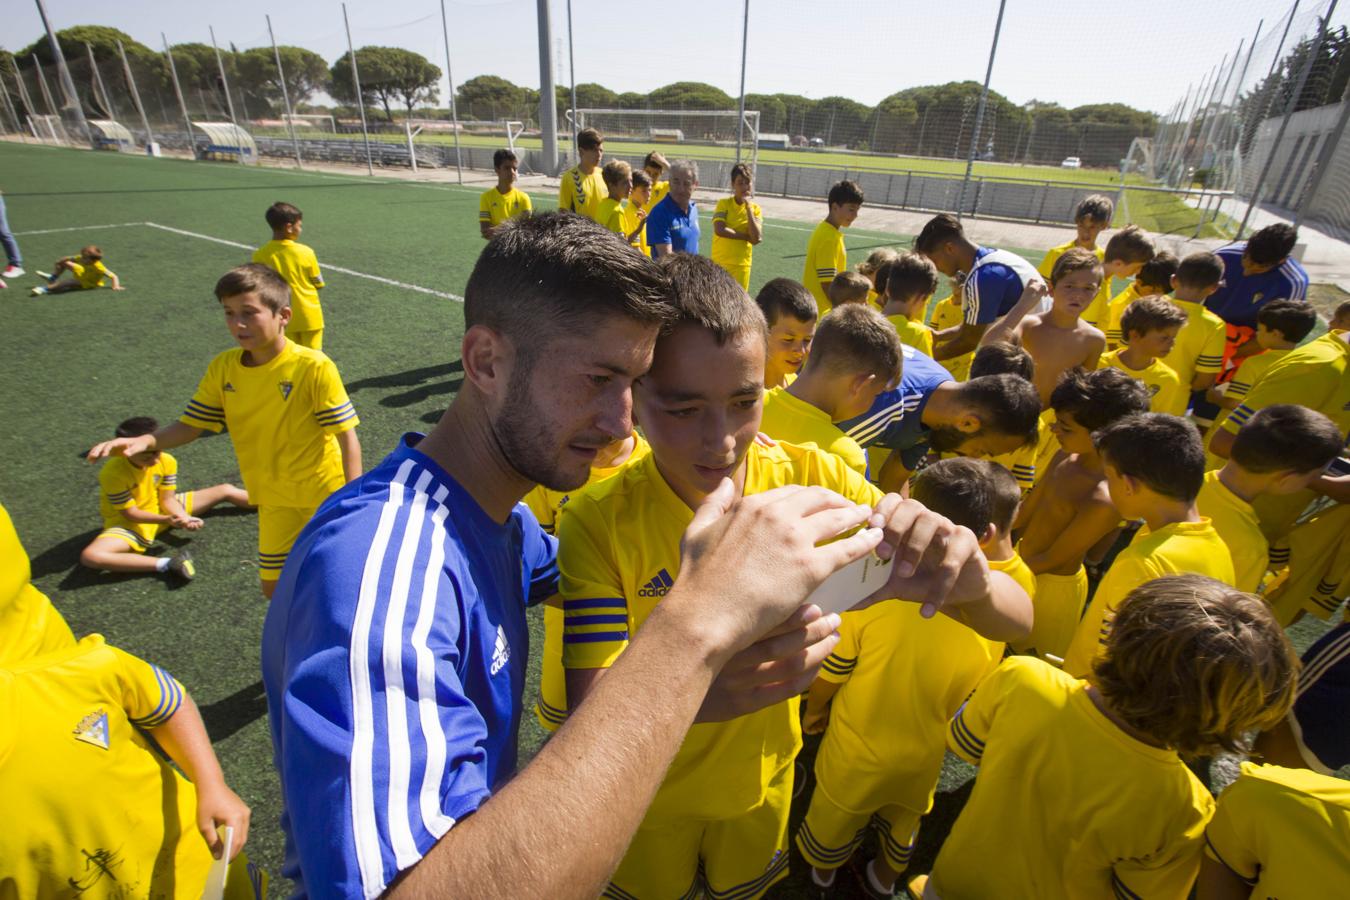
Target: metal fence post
979,112
285,94
356,85
225,83
135,93
454,111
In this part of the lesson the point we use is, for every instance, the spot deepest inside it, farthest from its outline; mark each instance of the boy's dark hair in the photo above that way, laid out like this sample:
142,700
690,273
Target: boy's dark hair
855,339
1286,438
641,179
1271,244
937,231
92,251
1290,318
1158,271
703,294
742,170
1076,259
908,276
784,297
1006,404
972,492
848,287
845,192
656,158
137,426
1152,313
589,139
503,155
279,215
559,272
1002,358
1097,207
1098,398
1201,269
255,278
1342,310
1163,452
1129,245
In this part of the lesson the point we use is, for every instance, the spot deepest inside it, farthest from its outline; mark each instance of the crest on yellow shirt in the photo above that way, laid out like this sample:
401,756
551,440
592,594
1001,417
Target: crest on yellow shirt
93,729
285,387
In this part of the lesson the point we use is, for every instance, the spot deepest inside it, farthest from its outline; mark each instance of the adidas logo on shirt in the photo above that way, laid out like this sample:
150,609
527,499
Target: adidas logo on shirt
659,585
501,654
229,387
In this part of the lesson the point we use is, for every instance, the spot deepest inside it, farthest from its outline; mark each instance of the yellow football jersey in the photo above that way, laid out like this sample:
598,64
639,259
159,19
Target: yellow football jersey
631,221
29,624
915,334
494,207
1193,548
298,265
1200,343
89,275
1114,310
282,419
1236,522
1252,370
1167,394
730,254
658,193
581,193
1284,832
946,314
1029,462
618,555
121,485
789,418
825,258
1066,804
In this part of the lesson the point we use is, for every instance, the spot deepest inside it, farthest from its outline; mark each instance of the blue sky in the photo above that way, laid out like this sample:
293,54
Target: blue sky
1144,54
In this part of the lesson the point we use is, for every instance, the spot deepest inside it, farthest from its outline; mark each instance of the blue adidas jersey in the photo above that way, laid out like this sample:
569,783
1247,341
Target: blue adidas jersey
1241,297
994,285
667,224
894,421
394,657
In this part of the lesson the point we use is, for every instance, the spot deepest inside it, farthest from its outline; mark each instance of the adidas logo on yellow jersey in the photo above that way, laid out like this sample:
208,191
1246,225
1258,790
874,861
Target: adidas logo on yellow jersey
658,586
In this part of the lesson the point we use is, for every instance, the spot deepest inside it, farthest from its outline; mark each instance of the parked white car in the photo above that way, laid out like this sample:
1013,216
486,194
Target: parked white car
1071,162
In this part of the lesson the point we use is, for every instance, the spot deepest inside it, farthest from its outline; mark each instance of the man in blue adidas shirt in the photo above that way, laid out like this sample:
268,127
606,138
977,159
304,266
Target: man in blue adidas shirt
992,281
395,647
672,225
1255,272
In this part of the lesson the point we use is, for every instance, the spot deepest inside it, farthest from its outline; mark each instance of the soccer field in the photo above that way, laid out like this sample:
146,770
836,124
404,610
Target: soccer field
396,255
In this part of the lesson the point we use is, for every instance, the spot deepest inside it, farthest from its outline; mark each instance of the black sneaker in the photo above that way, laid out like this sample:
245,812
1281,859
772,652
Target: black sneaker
857,867
181,566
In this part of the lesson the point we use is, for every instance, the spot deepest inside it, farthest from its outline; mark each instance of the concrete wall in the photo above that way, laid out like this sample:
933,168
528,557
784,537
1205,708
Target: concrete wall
1309,170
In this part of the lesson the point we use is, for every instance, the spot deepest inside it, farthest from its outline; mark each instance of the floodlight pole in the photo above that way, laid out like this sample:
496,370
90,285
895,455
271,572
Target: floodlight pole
135,93
356,85
225,83
1242,78
63,73
27,101
454,112
46,91
178,92
745,43
572,68
98,81
548,103
285,94
979,112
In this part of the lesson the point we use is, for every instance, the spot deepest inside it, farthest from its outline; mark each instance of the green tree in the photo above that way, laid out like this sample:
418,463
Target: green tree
491,97
632,100
596,96
147,66
838,120
690,95
306,75
772,112
388,75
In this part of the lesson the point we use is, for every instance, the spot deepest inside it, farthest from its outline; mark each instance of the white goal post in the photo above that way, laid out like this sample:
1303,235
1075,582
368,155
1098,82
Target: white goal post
687,128
313,121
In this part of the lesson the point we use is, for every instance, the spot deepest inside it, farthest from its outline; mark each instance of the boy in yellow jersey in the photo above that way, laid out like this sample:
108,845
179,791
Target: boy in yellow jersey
1155,467
1198,355
871,268
655,166
583,187
1151,326
790,311
290,420
910,280
90,803
1091,217
635,213
1122,257
1070,509
505,201
879,761
1082,789
1278,832
87,272
1154,278
1282,449
29,624
548,506
849,287
948,313
299,268
855,356
825,254
613,211
138,499
738,225
1281,325
1028,462
719,821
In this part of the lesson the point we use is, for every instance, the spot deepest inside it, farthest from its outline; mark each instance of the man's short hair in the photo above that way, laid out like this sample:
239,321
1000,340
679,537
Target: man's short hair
1076,259
1163,452
1152,313
589,139
1098,398
703,294
137,426
1291,318
1006,404
1130,245
849,287
972,492
784,297
560,273
1200,270
855,339
937,231
503,155
845,192
1271,244
615,171
279,215
1157,272
255,278
688,166
1002,358
742,170
1097,208
910,275
1286,438
656,158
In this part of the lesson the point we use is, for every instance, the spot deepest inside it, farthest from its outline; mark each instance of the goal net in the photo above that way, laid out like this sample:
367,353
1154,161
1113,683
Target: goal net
711,134
311,122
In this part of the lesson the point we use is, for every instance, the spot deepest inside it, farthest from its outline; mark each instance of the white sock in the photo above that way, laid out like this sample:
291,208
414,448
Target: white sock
872,880
815,876
162,564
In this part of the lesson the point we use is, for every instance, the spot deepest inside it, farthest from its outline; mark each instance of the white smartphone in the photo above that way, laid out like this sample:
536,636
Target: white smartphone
852,584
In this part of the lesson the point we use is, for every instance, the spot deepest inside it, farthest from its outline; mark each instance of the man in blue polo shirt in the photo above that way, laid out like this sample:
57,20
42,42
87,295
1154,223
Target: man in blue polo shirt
1255,272
672,225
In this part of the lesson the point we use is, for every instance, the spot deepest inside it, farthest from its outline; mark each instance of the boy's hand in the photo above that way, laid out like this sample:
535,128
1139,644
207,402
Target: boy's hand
118,287
641,214
188,523
1035,292
815,720
121,447
218,806
938,564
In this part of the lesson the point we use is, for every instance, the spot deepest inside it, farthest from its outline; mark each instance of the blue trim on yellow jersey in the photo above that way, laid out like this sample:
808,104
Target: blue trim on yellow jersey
837,855
578,621
757,885
962,734
170,697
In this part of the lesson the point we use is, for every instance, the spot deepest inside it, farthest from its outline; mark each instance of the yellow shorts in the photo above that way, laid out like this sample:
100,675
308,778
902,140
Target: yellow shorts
741,274
737,858
312,339
278,527
140,535
830,834
1057,607
244,880
551,707
1318,555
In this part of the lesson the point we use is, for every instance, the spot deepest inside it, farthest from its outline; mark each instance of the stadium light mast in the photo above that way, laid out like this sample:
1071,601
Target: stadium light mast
63,72
745,43
572,70
454,109
979,112
548,96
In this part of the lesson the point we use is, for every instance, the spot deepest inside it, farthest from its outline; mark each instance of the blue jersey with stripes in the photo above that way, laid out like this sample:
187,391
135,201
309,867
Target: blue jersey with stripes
1240,297
895,419
994,285
394,657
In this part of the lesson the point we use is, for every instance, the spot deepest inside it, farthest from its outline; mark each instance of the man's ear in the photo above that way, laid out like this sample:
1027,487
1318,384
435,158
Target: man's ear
487,356
969,423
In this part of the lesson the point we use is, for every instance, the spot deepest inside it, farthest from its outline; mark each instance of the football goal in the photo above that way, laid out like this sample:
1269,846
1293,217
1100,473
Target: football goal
715,134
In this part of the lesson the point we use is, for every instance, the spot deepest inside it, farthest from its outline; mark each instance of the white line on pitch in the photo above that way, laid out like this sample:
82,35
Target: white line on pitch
78,228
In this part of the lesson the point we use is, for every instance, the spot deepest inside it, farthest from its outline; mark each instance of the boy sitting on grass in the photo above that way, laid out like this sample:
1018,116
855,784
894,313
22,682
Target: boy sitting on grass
86,270
1150,326
910,280
790,311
